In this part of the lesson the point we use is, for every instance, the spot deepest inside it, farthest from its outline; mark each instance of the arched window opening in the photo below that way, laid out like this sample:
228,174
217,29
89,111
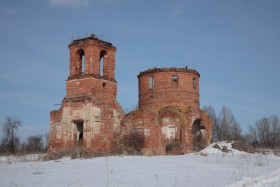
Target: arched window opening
151,82
194,83
81,59
101,62
83,64
175,80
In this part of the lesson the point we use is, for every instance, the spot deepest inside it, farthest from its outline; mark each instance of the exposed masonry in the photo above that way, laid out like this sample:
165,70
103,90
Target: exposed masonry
168,120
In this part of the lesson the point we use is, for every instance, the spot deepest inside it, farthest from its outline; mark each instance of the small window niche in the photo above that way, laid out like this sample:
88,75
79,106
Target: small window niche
174,80
194,83
151,82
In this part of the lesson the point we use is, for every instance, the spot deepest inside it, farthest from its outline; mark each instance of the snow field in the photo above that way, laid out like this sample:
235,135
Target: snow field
215,169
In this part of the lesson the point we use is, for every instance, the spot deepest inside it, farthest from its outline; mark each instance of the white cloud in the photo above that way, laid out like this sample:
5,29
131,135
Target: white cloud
70,3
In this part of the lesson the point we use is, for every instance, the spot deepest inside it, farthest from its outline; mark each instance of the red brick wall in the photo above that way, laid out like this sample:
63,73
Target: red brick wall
166,115
168,104
167,92
102,89
92,49
207,123
145,123
151,123
88,91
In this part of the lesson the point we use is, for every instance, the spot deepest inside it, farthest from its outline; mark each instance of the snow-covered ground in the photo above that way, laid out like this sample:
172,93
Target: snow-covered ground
210,167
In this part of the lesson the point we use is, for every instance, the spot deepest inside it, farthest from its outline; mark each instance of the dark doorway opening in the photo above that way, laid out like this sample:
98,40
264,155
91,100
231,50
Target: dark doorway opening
197,135
80,131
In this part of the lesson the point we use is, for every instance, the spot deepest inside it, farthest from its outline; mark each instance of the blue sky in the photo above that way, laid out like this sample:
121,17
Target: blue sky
234,44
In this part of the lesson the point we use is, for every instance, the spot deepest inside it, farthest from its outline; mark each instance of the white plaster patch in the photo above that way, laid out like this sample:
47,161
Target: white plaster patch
96,112
202,132
95,117
117,120
96,127
77,114
58,131
169,131
65,115
165,120
147,132
91,116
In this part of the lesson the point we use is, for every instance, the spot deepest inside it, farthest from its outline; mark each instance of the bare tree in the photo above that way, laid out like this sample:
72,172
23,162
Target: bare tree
3,145
10,127
212,114
46,141
23,148
227,127
275,131
252,136
265,132
35,144
235,132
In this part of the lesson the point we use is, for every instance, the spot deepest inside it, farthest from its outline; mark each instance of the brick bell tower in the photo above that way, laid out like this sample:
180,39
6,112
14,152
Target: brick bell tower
90,114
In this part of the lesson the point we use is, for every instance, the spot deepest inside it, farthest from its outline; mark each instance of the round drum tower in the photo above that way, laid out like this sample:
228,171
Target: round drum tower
161,87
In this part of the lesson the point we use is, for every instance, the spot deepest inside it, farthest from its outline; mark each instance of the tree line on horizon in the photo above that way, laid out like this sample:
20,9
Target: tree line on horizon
265,133
11,144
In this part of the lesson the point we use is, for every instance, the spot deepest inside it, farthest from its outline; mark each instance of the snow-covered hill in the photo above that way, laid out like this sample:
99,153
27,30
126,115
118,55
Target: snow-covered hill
209,167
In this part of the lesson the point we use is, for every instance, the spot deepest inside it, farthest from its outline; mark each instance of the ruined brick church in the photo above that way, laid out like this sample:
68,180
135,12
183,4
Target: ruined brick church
168,120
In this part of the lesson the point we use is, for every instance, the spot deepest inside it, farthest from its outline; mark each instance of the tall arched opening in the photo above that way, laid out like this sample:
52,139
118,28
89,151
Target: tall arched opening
197,135
101,62
80,55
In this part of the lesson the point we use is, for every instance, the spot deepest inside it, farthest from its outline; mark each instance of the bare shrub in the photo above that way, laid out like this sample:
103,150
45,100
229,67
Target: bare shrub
75,152
242,167
203,154
198,143
243,146
224,149
261,160
216,146
133,142
277,152
173,148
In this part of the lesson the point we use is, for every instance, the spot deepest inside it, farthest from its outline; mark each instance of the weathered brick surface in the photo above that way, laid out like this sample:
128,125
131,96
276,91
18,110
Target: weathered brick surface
89,115
93,50
166,91
168,121
169,111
